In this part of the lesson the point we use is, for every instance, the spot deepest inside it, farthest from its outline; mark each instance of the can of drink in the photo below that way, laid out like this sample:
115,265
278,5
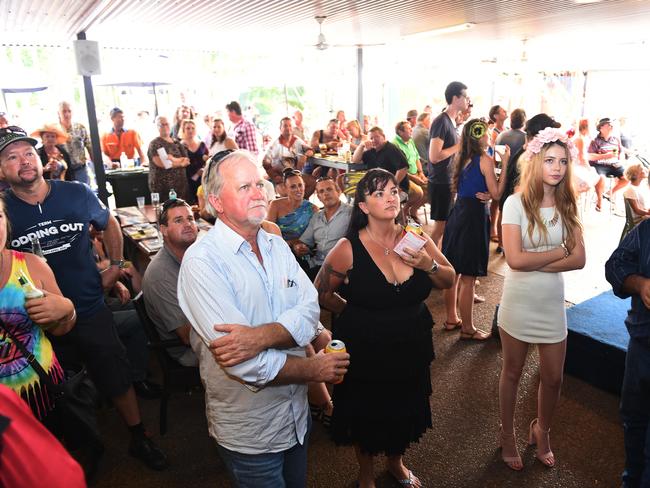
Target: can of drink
336,346
414,227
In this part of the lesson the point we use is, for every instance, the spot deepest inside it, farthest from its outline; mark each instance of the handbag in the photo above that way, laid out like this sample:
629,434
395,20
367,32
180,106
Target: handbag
75,401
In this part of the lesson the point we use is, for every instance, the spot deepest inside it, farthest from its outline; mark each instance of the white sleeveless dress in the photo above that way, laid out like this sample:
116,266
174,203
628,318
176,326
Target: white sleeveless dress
532,306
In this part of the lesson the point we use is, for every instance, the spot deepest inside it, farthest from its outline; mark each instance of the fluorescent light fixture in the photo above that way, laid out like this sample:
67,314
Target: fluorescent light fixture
441,31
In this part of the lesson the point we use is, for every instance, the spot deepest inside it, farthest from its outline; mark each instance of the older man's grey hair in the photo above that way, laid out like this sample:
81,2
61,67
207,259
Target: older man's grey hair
213,176
159,118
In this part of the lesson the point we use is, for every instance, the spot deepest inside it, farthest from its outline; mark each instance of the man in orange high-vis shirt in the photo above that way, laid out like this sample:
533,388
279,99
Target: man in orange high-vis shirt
120,140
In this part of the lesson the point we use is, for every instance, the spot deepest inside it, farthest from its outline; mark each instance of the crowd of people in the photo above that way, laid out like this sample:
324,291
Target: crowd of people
246,299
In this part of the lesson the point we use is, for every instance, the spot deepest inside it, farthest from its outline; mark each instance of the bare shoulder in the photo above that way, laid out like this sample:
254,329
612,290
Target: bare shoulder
340,257
271,228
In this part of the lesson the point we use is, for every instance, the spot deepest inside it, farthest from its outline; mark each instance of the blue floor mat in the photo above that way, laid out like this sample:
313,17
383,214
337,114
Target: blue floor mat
601,318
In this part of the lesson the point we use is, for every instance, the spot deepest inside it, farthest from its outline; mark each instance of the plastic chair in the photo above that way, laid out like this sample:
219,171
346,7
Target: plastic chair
347,182
629,219
171,370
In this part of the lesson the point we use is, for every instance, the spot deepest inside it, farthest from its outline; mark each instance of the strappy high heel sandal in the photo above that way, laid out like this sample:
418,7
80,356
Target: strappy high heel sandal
513,462
547,458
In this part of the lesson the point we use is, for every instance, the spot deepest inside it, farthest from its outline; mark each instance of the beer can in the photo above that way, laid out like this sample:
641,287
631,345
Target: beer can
335,346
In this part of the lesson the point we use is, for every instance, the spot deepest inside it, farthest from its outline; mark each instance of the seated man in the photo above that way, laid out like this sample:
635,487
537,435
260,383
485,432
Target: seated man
377,152
604,152
127,323
417,181
179,231
287,151
325,228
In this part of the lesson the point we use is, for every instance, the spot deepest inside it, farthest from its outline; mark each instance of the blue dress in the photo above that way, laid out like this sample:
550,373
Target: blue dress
466,241
294,223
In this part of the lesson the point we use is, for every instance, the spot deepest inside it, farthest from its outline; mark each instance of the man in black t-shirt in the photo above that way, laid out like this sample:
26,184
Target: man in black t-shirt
376,152
443,146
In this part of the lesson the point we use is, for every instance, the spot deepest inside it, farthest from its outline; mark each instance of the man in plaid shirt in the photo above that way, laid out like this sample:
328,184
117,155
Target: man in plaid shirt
243,132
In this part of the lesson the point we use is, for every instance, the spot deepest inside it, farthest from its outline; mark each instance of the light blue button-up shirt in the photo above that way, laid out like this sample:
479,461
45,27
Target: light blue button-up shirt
222,282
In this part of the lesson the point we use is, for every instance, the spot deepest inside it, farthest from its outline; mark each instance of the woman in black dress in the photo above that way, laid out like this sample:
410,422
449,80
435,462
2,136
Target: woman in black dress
382,405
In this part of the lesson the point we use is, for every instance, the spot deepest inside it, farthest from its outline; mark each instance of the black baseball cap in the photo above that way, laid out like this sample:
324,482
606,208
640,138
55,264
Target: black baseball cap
11,134
540,122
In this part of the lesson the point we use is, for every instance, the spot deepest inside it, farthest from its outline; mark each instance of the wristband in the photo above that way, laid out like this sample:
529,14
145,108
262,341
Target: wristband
566,251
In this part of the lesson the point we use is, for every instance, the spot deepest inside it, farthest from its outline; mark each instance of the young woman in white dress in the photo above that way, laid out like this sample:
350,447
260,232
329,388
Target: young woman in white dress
542,237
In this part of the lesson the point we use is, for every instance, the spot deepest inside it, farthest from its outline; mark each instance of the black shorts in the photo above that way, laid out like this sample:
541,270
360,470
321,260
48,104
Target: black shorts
94,342
441,202
608,170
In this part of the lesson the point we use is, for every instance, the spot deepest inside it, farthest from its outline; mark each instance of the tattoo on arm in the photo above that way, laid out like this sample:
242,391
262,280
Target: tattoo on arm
323,279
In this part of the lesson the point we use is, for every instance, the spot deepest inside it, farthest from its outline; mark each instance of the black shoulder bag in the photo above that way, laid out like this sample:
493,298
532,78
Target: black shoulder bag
75,401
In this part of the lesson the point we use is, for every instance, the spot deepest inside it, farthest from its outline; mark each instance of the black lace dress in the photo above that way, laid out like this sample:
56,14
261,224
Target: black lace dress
382,405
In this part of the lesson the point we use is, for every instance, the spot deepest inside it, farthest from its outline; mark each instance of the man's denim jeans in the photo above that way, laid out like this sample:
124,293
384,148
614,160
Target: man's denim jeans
285,469
635,413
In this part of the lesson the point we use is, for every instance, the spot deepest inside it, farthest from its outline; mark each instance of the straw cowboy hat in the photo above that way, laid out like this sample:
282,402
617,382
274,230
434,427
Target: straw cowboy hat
61,137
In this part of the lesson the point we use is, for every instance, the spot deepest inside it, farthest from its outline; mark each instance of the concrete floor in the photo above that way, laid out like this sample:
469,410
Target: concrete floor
460,451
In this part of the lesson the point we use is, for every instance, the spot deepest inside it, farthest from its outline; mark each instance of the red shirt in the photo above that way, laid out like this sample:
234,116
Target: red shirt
29,455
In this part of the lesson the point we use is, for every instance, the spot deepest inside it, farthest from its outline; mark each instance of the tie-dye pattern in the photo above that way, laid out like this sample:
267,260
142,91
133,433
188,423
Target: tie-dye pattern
15,371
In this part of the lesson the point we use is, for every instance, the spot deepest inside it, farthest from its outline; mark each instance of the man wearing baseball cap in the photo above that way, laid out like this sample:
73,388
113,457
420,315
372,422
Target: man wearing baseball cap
58,213
604,152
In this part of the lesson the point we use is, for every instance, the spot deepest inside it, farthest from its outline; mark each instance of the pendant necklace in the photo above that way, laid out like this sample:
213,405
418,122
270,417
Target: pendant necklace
386,250
552,221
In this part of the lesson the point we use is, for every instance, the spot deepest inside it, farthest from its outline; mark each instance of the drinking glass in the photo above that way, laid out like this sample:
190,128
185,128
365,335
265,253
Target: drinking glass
140,201
155,200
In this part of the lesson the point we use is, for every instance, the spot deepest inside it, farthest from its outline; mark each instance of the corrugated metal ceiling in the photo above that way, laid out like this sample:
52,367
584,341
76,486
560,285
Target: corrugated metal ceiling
348,21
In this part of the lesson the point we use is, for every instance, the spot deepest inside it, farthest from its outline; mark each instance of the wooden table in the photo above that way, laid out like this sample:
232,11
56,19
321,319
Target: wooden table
336,163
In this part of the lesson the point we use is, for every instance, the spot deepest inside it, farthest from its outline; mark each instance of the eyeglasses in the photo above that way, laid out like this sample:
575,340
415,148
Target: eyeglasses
175,201
289,172
169,204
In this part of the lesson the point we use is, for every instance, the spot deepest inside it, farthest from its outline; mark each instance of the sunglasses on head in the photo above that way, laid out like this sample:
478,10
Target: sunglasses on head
324,178
215,160
289,172
175,201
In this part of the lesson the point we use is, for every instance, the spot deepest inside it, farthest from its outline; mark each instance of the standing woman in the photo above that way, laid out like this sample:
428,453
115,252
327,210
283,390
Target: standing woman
542,237
382,405
197,153
55,158
220,140
466,239
165,175
183,112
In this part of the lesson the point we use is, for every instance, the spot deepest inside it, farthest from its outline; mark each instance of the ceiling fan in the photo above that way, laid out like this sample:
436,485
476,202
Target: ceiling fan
322,44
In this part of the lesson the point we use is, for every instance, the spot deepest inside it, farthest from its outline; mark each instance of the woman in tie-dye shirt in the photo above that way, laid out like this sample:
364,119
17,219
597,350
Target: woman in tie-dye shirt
27,320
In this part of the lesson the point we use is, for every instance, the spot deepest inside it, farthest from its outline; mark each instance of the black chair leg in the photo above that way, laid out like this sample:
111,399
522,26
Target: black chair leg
163,412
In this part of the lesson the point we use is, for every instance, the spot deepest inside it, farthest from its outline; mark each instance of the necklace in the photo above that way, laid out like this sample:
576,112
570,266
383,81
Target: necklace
553,221
386,249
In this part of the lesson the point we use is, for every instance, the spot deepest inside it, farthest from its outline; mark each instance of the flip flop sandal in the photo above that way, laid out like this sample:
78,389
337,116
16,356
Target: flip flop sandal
477,335
449,327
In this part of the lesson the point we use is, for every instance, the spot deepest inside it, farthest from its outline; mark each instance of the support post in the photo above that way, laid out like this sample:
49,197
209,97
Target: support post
100,175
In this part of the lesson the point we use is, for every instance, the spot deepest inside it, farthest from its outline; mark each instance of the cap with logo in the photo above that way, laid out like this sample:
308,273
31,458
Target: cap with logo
11,134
